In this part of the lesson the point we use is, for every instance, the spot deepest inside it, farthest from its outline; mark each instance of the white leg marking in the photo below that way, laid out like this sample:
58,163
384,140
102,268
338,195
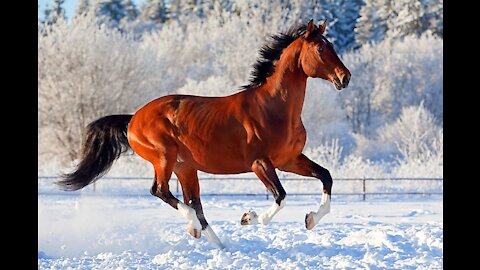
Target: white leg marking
249,218
188,213
323,209
212,237
265,217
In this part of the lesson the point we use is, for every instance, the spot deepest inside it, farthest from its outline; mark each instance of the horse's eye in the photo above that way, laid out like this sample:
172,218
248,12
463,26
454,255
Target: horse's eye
320,49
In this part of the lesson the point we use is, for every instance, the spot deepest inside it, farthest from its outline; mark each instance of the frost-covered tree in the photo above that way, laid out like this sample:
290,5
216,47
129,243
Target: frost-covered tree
46,14
175,9
415,17
434,16
414,133
130,22
54,13
323,115
220,9
86,71
397,19
110,12
341,18
345,15
267,13
131,10
408,18
82,7
119,14
311,9
154,13
193,8
410,73
358,101
372,23
391,75
271,9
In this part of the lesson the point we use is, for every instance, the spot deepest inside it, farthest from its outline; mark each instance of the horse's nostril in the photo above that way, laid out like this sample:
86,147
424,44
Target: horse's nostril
345,80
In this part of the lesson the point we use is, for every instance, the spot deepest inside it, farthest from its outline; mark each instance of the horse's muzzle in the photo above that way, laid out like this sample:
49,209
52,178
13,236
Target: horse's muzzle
345,80
341,79
337,83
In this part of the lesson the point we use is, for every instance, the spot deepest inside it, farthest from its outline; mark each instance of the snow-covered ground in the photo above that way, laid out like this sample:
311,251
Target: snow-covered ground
101,231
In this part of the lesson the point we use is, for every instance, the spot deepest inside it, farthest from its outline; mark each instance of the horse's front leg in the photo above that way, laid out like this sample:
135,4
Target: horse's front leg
265,170
302,165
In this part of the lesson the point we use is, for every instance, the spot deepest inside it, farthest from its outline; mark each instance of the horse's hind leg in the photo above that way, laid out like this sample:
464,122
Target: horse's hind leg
302,165
191,196
265,170
163,171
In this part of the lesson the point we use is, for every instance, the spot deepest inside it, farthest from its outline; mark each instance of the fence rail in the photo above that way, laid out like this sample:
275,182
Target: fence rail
364,190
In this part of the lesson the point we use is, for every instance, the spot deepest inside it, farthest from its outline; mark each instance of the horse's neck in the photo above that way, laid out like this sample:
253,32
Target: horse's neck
284,90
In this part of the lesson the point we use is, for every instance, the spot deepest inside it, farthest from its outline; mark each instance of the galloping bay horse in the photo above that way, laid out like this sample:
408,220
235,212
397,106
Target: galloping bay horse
255,130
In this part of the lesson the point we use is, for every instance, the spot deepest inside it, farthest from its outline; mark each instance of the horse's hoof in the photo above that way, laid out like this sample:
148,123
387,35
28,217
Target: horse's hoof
309,221
194,232
249,218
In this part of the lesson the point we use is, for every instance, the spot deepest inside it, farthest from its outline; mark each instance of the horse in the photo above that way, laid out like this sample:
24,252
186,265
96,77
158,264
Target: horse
258,129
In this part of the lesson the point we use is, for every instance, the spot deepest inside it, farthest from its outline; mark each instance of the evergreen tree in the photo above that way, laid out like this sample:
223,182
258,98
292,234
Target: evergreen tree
174,9
112,11
193,7
46,14
408,17
52,14
341,16
415,17
154,12
434,16
82,7
397,19
219,7
310,9
131,11
345,13
372,22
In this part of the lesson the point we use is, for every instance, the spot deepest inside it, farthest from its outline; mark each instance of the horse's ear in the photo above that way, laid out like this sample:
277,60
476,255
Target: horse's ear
322,27
310,28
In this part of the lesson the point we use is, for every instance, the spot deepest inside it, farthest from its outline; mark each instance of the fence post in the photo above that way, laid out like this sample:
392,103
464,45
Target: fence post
364,189
267,194
177,186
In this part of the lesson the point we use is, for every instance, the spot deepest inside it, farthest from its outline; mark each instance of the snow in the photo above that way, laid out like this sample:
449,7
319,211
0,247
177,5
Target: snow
101,231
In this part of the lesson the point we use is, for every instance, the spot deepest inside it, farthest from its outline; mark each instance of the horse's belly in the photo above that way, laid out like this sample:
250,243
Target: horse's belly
227,151
214,162
218,156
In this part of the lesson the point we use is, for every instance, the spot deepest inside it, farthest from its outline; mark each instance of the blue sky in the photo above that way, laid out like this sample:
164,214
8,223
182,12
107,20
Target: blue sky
68,5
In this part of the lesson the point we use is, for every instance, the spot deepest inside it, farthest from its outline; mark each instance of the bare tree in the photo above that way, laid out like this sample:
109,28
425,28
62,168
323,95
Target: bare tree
85,72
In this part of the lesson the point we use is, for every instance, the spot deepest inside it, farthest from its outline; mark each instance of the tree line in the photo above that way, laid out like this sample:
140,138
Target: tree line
352,23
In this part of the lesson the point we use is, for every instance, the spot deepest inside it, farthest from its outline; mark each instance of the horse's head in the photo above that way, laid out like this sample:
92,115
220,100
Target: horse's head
318,58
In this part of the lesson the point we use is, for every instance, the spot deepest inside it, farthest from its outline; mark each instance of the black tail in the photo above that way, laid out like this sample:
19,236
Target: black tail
104,141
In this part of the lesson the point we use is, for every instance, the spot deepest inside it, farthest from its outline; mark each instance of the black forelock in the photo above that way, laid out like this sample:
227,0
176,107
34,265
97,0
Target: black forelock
270,52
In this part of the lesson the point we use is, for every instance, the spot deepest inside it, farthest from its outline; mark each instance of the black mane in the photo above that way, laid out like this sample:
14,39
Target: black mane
271,51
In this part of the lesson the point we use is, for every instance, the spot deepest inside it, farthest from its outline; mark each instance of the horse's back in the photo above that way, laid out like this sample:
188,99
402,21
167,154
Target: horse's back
205,130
